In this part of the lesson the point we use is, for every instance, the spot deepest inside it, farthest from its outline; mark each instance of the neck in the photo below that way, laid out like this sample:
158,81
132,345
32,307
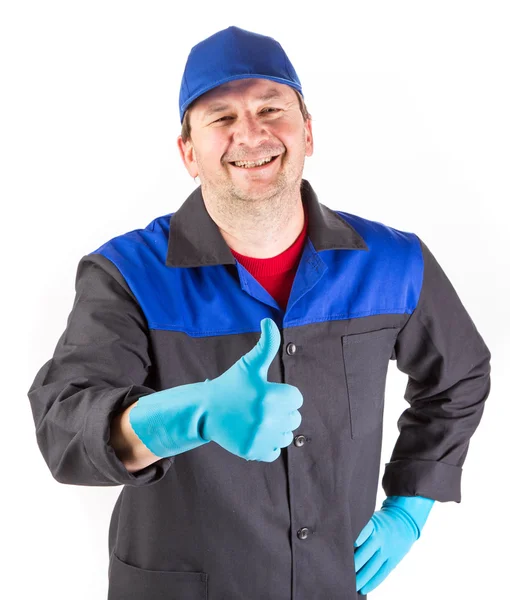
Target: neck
259,229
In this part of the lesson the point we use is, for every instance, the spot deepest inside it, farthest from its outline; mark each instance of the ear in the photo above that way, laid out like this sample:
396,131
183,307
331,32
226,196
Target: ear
187,153
309,137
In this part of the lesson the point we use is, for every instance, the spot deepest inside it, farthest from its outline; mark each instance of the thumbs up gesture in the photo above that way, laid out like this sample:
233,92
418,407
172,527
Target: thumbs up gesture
244,412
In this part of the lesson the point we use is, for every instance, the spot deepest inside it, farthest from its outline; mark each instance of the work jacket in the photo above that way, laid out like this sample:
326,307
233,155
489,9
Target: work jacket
169,305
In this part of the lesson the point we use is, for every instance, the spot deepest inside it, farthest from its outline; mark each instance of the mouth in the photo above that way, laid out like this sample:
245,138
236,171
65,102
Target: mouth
257,165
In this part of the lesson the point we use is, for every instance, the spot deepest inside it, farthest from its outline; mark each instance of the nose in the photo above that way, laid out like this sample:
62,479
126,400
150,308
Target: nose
249,131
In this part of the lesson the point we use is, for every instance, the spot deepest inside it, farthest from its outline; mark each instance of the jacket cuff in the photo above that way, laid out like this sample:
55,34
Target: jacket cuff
96,437
427,478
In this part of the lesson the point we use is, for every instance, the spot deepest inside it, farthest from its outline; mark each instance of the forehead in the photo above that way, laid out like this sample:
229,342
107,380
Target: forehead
243,90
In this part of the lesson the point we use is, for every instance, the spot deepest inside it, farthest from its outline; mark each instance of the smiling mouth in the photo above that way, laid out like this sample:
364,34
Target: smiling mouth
246,164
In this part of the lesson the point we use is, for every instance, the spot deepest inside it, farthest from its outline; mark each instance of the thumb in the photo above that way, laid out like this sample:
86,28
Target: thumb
262,355
365,533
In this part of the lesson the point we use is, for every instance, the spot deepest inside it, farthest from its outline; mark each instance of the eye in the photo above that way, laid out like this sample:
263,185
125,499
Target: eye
264,110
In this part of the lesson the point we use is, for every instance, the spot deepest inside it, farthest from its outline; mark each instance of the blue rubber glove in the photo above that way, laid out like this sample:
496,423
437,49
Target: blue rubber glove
387,538
239,410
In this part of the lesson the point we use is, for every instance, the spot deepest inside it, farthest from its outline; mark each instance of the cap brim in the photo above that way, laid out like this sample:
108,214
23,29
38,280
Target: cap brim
207,88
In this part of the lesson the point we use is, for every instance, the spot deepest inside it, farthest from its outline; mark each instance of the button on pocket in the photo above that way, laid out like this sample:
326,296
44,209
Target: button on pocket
366,358
127,582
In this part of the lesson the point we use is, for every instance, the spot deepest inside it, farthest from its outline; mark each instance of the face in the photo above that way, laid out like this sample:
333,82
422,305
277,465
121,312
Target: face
247,120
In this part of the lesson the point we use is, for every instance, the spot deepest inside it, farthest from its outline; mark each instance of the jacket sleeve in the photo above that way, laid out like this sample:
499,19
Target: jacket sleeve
98,369
448,365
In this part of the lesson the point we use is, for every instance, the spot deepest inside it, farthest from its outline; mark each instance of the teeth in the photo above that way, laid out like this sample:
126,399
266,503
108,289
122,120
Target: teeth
246,163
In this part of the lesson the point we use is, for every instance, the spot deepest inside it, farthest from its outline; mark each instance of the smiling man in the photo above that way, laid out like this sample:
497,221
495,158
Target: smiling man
247,141
227,365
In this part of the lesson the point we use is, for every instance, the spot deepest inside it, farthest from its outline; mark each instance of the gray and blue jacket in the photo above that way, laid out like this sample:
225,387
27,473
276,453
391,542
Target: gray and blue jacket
170,305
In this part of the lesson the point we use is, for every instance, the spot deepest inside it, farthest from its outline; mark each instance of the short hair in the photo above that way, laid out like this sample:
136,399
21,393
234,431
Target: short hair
186,127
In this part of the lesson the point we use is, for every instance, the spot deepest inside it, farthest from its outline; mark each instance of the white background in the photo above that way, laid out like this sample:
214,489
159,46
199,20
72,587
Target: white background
410,104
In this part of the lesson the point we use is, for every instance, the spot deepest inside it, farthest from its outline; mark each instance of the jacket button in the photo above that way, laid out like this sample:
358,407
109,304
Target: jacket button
291,348
303,533
299,440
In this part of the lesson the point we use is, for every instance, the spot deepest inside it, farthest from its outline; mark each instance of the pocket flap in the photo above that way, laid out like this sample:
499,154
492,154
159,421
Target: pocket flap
127,582
366,359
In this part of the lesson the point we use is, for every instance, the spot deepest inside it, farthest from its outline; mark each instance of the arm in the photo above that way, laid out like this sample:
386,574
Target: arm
127,445
98,370
448,366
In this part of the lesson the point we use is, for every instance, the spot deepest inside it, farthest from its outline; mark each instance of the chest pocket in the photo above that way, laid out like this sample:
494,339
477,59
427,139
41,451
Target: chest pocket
127,582
366,358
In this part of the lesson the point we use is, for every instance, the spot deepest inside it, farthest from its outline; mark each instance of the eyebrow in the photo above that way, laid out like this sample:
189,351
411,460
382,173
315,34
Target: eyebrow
271,94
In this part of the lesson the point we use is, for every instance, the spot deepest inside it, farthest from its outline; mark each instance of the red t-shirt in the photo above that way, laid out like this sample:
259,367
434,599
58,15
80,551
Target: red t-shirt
276,274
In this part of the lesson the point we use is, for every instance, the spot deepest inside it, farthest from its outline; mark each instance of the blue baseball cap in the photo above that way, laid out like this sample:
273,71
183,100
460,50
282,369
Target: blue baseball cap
234,53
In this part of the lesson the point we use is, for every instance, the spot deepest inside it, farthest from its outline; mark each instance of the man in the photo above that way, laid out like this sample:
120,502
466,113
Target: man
162,356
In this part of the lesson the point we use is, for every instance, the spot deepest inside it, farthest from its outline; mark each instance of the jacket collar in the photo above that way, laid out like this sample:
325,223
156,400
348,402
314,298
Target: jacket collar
195,239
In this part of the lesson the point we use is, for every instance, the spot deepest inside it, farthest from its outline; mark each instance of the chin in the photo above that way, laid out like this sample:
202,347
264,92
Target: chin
254,192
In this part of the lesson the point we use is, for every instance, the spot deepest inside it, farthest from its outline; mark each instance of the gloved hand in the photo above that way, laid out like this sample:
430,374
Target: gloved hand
246,414
239,410
387,538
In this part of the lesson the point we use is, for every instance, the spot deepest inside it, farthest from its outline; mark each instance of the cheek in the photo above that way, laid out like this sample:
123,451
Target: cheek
289,134
213,149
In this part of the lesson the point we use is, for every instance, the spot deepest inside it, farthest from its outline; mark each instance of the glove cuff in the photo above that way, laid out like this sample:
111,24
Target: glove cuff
416,507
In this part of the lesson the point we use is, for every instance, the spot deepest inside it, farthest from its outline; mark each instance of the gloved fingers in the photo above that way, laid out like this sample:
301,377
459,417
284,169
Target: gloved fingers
364,534
364,553
294,420
286,439
272,456
365,574
378,578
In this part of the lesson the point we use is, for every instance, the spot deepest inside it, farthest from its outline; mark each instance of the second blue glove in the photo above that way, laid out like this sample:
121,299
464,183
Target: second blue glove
387,538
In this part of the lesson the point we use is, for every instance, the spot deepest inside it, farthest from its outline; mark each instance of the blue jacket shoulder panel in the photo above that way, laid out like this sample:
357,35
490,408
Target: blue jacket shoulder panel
153,240
385,279
140,257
